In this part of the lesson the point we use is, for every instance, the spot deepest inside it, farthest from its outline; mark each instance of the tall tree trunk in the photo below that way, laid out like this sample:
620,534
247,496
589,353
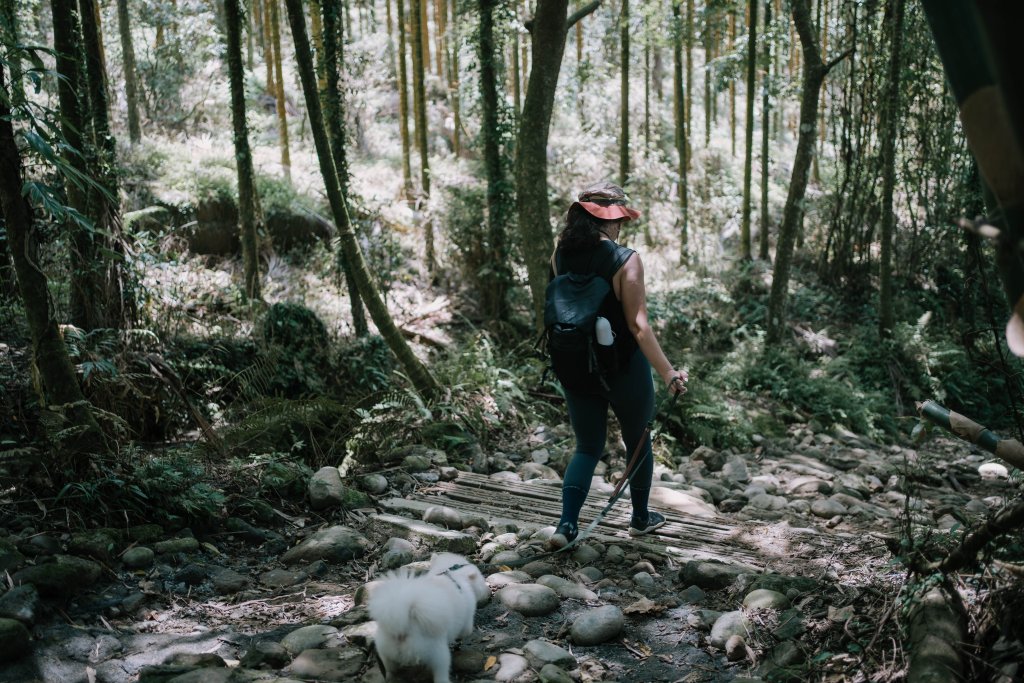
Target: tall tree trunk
440,35
130,85
424,35
732,83
689,82
248,211
888,127
420,111
8,39
746,252
708,76
679,98
498,274
334,111
316,28
403,101
421,378
766,61
647,88
549,28
517,91
580,76
624,95
59,384
814,72
268,47
454,78
282,115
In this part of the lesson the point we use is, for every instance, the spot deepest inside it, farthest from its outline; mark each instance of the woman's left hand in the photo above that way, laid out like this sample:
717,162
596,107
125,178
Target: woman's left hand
676,381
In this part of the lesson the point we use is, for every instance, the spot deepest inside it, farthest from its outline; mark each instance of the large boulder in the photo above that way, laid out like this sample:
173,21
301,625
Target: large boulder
63,577
336,544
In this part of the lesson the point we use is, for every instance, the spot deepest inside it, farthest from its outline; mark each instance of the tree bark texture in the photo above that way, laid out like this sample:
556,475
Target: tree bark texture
403,100
131,89
679,98
936,629
282,114
746,251
766,60
454,80
496,282
268,47
549,29
888,127
689,82
248,212
334,110
624,94
421,378
57,374
419,100
814,72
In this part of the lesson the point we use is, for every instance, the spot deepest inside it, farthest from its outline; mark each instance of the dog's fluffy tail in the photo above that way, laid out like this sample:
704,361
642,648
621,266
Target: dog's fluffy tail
405,606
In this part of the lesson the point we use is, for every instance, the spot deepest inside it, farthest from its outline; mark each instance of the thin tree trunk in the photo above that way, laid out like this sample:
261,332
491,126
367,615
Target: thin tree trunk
248,211
403,102
130,85
454,78
679,99
268,47
689,82
440,33
498,274
250,48
814,72
624,95
746,252
580,76
517,92
421,378
708,76
647,87
424,34
766,61
549,29
420,111
334,111
888,127
56,373
732,84
282,116
316,28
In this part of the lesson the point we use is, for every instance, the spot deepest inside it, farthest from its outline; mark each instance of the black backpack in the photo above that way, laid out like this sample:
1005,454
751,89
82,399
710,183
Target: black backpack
573,303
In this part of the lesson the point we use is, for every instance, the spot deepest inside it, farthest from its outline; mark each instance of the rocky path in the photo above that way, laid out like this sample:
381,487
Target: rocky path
774,566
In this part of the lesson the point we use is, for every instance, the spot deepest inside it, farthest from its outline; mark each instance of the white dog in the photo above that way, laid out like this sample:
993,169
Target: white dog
419,617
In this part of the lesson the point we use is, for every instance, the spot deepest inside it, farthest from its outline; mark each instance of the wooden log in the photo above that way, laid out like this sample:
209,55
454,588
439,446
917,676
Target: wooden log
936,631
1010,450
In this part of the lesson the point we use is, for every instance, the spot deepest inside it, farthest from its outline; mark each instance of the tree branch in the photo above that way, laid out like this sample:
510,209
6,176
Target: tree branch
832,63
580,13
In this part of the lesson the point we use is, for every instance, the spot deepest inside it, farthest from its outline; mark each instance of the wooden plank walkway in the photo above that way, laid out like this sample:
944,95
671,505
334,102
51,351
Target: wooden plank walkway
759,545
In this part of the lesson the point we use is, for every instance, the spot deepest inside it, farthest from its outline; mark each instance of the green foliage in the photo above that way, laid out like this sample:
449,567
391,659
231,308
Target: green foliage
365,365
297,340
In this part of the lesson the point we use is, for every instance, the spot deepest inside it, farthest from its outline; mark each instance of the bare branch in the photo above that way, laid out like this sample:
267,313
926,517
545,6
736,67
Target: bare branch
580,13
846,53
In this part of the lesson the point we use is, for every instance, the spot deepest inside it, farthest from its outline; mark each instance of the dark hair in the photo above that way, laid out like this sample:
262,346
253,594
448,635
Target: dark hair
582,230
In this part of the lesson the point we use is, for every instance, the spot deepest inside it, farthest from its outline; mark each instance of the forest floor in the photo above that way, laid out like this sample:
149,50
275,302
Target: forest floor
810,518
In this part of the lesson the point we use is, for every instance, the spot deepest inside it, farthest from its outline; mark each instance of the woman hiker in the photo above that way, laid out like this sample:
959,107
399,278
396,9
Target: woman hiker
588,244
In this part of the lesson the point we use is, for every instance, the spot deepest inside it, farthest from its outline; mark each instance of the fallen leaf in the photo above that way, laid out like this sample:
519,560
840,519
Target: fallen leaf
491,661
644,606
840,614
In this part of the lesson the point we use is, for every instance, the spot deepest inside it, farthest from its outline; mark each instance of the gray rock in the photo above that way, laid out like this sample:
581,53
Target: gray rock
713,460
397,552
703,619
597,625
735,469
529,471
191,574
202,659
132,602
266,653
615,555
10,559
507,557
14,640
41,544
502,579
99,545
336,544
586,554
826,509
567,589
691,595
186,544
717,491
529,599
145,533
735,648
709,575
541,653
443,516
766,501
309,637
762,598
375,484
422,534
538,568
228,581
590,573
732,504
726,626
139,557
511,667
341,664
644,582
808,484
799,506
791,625
468,662
164,673
63,577
416,463
550,673
21,603
204,675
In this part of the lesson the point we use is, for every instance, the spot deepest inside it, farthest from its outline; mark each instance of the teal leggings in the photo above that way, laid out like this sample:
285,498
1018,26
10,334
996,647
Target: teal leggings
631,397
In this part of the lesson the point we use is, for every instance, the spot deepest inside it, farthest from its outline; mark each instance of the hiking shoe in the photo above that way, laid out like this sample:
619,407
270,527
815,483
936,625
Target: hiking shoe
563,536
653,521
